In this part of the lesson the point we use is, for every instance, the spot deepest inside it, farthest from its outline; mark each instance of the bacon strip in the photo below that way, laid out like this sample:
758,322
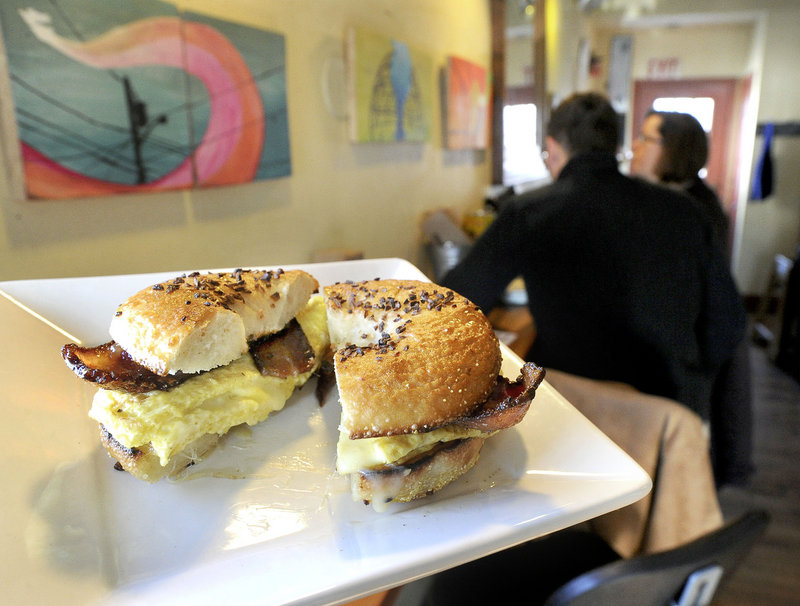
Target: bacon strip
284,354
326,377
112,367
508,403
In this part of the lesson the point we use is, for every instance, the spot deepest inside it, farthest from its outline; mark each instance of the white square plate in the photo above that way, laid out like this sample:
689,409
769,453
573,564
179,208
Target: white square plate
265,519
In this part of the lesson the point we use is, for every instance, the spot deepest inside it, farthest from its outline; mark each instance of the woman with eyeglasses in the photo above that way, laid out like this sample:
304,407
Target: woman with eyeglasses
672,149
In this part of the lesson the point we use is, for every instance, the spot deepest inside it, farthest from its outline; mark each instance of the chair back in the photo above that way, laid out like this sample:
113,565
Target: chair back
684,576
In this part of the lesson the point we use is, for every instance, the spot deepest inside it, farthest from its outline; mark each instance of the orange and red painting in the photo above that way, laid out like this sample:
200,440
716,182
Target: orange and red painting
467,103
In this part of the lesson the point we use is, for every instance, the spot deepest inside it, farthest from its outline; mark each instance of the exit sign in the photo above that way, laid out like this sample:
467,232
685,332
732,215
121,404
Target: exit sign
663,68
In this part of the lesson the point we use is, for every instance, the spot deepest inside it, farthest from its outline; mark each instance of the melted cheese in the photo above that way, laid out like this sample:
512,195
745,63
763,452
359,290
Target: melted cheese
368,453
212,402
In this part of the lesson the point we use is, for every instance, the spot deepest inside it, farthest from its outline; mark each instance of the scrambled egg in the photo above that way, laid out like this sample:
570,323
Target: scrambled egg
367,453
212,402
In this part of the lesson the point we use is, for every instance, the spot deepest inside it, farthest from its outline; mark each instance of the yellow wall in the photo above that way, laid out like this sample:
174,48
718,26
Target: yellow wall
368,197
773,226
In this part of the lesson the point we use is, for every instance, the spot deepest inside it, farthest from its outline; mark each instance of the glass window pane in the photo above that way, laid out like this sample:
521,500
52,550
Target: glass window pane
522,158
701,108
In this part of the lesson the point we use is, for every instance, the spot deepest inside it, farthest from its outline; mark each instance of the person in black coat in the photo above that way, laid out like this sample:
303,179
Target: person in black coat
624,279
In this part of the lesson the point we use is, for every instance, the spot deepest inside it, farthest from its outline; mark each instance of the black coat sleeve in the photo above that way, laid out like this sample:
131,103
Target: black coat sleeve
491,263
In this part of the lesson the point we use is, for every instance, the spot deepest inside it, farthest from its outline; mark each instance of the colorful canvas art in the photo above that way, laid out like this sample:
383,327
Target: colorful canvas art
114,97
467,105
390,89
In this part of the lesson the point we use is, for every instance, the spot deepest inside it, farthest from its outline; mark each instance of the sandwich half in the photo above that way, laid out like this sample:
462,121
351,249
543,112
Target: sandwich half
192,357
418,372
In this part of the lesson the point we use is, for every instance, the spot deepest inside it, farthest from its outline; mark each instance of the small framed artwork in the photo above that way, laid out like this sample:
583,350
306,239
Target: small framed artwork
390,89
466,116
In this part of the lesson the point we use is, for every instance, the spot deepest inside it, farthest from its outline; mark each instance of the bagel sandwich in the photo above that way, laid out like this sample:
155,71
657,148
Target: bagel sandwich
194,356
417,367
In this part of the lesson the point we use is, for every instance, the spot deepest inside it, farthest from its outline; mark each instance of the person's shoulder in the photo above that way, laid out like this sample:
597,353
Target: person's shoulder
527,200
676,208
642,184
706,196
552,192
661,194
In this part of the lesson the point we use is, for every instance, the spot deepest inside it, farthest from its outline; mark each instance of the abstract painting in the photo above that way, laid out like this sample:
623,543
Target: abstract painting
467,105
113,97
390,89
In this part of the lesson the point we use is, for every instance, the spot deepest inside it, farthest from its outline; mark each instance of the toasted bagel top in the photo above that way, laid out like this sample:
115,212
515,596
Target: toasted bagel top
411,356
197,322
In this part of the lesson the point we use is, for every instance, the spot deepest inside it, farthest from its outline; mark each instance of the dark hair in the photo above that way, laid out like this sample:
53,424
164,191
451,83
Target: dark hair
684,147
585,122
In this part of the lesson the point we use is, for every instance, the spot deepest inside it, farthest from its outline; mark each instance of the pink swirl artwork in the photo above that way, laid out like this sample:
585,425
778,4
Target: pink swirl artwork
155,102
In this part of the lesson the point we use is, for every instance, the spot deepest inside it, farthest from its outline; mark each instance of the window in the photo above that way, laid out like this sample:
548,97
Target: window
701,108
522,157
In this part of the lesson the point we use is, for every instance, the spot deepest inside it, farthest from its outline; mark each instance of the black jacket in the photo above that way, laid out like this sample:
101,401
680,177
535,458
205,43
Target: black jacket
710,205
624,280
